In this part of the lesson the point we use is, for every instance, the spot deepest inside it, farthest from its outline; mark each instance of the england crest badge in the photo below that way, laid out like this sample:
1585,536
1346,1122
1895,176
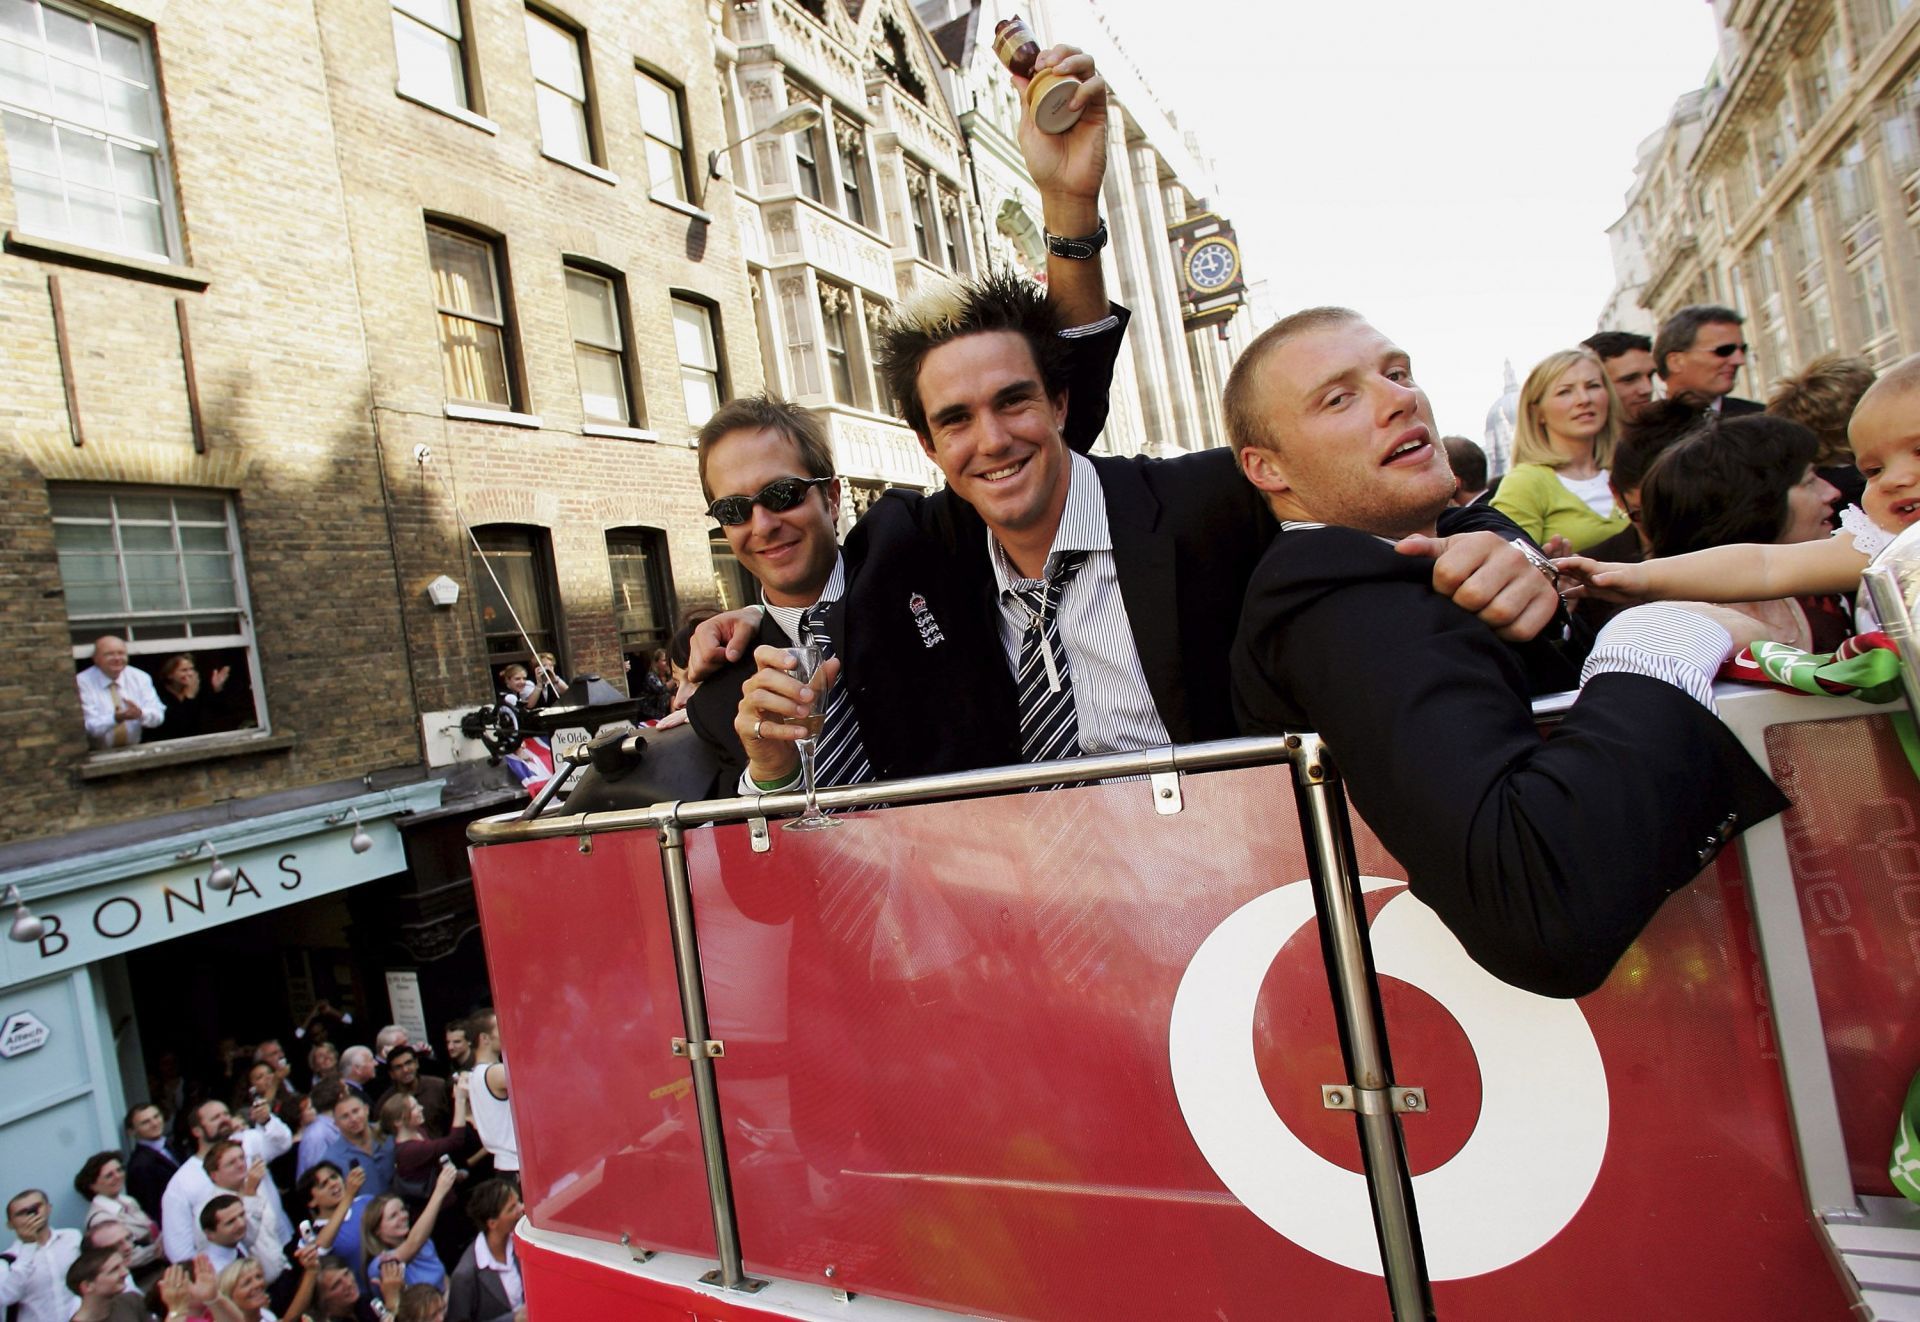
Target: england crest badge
923,621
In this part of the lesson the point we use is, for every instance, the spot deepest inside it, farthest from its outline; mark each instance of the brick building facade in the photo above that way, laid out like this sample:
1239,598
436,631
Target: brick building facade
297,304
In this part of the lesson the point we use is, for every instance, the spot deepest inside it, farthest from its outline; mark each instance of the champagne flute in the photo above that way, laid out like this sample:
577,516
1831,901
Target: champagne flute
807,662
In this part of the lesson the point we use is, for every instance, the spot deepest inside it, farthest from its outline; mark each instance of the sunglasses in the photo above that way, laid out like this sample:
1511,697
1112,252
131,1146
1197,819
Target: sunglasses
779,496
1727,350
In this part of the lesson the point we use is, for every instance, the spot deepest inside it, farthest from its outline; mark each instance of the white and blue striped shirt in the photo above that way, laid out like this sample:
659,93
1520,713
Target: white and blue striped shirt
1111,700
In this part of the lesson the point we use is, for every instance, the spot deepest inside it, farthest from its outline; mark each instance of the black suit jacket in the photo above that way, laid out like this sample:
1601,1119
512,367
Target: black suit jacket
1732,406
147,1176
1545,858
1186,534
474,1295
711,709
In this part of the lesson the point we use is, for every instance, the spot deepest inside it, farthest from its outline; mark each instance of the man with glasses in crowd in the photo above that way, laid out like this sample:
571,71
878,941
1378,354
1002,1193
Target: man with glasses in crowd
33,1272
1698,353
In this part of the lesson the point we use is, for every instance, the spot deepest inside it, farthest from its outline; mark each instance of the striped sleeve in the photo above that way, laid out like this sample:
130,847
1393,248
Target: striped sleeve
1105,323
1666,642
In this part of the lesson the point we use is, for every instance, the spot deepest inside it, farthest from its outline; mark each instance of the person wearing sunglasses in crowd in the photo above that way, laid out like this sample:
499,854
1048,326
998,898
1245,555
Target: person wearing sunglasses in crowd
1699,353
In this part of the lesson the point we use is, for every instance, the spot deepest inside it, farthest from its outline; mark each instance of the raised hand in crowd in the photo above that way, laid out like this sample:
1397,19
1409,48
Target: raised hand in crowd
206,1281
256,1173
393,1280
176,1290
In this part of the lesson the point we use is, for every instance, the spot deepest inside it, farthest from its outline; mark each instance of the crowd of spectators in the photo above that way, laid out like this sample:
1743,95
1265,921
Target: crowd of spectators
343,1193
1624,454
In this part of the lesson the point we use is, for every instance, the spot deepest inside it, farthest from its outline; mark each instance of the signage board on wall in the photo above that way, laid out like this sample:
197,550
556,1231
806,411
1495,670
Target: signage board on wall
403,1000
121,915
22,1032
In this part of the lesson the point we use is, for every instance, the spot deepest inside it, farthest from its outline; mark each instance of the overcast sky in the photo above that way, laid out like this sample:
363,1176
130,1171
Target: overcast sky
1447,167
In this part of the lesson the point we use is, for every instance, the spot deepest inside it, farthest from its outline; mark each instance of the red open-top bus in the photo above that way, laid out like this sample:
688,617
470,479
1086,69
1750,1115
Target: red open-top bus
1168,1046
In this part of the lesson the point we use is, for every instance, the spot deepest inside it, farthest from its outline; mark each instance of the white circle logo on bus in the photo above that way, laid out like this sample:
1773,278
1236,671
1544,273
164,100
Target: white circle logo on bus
1529,1164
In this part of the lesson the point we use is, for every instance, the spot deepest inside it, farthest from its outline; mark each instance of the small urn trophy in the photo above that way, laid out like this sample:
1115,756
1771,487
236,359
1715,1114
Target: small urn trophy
1049,92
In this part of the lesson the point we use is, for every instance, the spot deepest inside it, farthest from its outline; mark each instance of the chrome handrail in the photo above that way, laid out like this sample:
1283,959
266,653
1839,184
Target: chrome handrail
507,828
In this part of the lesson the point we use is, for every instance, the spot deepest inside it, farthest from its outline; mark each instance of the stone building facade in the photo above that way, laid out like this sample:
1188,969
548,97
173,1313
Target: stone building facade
1789,186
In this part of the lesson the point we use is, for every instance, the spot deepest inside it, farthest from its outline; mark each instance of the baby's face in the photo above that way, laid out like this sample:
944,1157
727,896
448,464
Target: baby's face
1886,447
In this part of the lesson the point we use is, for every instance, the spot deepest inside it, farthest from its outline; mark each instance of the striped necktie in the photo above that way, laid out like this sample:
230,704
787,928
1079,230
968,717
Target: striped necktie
841,758
1048,727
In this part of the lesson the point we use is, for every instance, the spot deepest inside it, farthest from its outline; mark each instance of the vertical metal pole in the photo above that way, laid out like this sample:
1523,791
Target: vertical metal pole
1330,860
706,1091
65,352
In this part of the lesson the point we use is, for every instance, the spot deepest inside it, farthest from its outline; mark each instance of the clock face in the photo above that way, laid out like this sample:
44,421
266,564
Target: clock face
1212,265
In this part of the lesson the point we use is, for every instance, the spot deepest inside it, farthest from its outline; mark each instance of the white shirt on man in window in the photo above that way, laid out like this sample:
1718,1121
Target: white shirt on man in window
117,701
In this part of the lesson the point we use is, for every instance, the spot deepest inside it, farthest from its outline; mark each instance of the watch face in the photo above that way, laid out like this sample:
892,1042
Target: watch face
1212,265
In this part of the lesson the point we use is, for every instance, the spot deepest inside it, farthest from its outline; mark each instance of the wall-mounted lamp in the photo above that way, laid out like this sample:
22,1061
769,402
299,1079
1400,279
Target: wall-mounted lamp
25,926
443,591
221,878
360,842
792,120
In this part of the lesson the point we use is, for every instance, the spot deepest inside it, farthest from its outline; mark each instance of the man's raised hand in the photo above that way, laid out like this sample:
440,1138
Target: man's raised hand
1070,164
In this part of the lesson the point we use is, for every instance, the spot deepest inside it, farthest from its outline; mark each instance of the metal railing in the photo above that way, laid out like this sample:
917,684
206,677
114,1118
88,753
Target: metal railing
1335,877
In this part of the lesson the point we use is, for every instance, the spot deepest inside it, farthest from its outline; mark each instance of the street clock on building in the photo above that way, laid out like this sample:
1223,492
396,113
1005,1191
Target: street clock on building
1212,265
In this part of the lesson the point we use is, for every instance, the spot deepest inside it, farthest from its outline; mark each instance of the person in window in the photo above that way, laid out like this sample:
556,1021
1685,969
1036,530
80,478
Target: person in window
117,701
196,703
516,684
549,688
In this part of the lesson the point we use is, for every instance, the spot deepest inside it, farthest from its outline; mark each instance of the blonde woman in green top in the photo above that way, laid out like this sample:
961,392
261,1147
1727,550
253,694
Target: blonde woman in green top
1563,441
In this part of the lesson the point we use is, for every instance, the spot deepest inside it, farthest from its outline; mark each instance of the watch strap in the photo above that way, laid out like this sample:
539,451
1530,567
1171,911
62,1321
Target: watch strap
1078,249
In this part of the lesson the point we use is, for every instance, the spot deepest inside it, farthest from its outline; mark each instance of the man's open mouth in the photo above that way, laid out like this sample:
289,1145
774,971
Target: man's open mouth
1415,444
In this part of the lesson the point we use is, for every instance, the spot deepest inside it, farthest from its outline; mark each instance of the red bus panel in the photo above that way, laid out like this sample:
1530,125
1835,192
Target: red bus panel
581,961
1853,843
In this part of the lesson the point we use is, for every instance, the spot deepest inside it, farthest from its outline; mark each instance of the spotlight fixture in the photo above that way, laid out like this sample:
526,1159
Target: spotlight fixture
221,877
361,841
25,927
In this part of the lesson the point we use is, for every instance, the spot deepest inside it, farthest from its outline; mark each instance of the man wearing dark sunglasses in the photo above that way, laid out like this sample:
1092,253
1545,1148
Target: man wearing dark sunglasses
1698,353
767,470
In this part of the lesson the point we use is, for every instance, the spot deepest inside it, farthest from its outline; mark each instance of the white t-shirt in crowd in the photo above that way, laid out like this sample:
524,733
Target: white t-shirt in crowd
1594,491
